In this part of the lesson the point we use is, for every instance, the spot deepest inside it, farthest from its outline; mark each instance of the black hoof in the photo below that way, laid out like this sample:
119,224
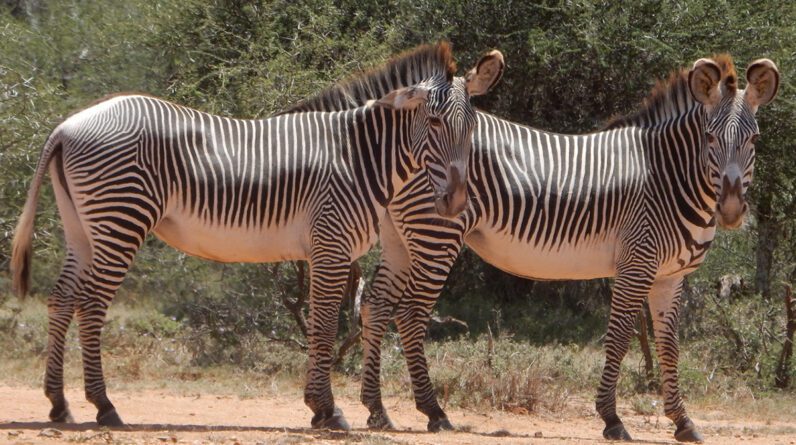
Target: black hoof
616,432
687,433
331,421
61,415
438,425
109,418
380,421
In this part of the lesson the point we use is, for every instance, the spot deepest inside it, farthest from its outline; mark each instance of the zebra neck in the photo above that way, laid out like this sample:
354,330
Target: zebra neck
381,150
679,163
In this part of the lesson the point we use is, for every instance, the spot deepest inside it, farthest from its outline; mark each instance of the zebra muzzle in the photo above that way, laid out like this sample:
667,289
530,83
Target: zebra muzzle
731,206
453,200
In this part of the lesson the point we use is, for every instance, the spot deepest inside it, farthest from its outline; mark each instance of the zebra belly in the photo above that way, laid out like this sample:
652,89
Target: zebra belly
586,260
235,244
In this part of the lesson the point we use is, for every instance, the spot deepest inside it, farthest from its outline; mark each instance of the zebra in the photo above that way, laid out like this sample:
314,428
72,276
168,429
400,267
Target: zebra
639,201
301,185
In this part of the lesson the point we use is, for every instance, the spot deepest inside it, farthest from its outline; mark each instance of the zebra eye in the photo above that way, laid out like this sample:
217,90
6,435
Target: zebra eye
711,138
434,121
754,138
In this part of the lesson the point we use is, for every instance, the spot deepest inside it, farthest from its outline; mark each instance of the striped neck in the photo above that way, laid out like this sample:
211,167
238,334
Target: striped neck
382,148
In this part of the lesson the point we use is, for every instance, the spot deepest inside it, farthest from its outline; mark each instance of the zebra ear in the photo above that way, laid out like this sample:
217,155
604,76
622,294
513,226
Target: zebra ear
485,74
762,82
404,98
703,81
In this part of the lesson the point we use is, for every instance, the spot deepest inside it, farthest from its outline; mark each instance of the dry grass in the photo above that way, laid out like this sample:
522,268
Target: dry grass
146,350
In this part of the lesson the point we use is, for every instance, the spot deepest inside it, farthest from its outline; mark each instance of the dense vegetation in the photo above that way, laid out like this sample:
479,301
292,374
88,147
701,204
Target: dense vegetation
571,65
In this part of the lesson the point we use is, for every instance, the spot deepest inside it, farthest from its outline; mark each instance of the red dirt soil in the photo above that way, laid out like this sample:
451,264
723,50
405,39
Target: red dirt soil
166,417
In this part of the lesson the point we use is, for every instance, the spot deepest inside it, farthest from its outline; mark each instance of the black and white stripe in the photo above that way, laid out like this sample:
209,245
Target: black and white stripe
303,185
638,201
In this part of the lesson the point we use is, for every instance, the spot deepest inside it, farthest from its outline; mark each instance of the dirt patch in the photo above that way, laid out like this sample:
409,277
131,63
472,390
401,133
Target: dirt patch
162,417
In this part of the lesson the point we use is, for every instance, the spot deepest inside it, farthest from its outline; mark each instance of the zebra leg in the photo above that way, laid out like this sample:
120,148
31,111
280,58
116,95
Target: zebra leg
112,257
376,312
328,278
665,308
412,320
631,287
90,318
60,309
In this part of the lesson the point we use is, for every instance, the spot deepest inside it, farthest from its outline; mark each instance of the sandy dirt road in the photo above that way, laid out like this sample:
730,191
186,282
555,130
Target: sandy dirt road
167,417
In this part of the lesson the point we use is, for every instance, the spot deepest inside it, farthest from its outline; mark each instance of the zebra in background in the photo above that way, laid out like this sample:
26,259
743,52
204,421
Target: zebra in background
639,202
299,186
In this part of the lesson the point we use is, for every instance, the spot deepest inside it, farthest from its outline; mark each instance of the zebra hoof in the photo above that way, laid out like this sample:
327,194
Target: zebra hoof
616,432
687,433
379,421
109,418
333,421
441,424
61,415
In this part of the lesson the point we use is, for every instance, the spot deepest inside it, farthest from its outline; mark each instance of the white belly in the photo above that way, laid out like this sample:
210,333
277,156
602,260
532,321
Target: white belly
594,258
231,244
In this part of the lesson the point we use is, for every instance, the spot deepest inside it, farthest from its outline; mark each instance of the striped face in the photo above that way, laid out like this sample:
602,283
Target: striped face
731,137
447,132
448,126
732,130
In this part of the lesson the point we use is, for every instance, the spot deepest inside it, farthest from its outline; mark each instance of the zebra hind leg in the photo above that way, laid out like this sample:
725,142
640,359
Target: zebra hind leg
375,318
112,257
91,310
60,309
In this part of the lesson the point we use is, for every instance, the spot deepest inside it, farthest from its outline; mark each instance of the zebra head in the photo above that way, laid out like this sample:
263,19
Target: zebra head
443,127
731,129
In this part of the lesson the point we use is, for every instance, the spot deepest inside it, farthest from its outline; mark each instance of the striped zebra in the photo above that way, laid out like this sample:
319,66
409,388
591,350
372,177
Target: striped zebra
299,186
639,202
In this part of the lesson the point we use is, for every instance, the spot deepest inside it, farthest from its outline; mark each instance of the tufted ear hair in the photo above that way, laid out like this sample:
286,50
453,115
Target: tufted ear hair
406,98
762,82
485,74
703,81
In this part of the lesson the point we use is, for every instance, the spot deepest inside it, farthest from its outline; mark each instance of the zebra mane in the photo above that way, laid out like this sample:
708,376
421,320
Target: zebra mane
409,68
672,97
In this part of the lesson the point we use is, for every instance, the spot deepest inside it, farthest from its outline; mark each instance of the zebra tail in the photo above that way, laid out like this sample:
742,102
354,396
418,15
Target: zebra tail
21,251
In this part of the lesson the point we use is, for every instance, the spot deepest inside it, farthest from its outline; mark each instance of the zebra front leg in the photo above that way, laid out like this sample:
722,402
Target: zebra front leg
328,278
376,312
631,287
664,304
412,319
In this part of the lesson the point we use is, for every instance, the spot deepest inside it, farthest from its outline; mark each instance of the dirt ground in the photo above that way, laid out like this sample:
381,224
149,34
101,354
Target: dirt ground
167,417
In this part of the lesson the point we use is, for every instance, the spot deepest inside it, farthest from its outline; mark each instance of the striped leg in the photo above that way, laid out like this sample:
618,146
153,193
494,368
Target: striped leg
665,308
412,319
631,287
431,265
60,309
328,278
113,256
376,311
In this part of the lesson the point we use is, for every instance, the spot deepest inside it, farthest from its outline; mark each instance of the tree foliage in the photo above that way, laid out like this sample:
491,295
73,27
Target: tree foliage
571,66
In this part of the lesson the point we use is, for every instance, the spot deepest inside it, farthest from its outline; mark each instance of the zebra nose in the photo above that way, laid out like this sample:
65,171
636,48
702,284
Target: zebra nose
731,205
451,203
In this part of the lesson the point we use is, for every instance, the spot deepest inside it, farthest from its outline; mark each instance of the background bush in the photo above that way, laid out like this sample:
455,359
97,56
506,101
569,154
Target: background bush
571,65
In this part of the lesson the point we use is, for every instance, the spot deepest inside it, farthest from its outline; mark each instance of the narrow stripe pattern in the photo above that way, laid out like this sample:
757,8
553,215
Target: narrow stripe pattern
302,185
637,201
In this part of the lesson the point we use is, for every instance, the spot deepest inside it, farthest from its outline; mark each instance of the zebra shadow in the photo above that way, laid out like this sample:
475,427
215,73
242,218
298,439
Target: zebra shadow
354,434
